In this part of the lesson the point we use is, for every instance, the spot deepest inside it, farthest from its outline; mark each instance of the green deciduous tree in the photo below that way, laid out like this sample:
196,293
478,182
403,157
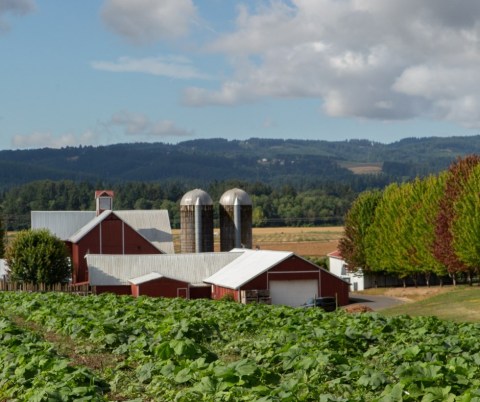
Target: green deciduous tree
36,256
380,241
422,211
357,222
466,224
426,196
457,177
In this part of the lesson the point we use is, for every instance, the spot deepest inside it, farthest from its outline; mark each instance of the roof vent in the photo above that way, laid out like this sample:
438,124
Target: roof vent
103,200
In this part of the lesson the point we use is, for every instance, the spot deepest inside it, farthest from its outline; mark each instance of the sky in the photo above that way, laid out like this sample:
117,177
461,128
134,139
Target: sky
101,72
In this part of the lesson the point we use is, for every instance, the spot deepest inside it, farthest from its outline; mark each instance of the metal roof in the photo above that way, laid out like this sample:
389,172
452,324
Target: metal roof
335,254
229,197
62,224
111,270
146,278
153,225
3,268
248,266
192,196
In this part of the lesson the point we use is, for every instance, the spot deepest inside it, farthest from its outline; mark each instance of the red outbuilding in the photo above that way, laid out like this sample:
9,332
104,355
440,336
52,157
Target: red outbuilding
278,277
275,277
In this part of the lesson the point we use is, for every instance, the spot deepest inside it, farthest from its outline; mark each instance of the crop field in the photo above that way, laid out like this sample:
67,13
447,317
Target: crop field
362,168
304,241
65,347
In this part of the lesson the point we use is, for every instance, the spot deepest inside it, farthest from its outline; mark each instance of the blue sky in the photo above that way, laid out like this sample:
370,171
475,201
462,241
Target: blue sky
110,71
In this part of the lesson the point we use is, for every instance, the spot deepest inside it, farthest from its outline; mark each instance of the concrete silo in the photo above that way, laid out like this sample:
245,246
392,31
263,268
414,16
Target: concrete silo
196,221
235,220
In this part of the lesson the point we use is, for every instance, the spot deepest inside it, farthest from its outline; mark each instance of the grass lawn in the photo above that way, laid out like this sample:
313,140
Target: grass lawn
460,304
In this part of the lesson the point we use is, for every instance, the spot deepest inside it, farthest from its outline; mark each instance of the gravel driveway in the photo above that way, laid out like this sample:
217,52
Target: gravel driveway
376,303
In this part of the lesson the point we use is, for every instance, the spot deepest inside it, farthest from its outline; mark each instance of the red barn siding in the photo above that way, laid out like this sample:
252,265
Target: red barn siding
200,292
111,236
332,286
118,290
219,292
161,287
294,263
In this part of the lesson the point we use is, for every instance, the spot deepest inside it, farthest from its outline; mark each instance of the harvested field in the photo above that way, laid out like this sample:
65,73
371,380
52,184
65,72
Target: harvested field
304,241
362,168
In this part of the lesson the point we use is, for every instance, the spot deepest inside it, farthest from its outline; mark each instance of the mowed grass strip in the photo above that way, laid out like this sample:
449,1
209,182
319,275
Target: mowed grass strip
459,304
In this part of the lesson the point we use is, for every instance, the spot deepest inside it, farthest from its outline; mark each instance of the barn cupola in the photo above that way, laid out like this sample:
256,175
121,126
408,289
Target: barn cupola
103,200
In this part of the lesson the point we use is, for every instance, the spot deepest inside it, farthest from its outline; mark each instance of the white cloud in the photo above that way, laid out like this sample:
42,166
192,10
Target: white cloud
15,7
375,59
137,124
171,66
48,140
147,21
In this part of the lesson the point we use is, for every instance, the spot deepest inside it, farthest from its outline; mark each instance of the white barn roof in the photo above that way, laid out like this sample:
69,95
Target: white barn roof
62,224
114,270
146,278
248,266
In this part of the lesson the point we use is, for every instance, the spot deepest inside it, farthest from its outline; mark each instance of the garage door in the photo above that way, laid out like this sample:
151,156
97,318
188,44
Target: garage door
293,293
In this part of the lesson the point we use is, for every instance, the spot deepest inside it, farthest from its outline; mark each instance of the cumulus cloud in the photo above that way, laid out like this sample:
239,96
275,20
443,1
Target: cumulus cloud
169,66
15,7
137,124
374,59
148,21
48,140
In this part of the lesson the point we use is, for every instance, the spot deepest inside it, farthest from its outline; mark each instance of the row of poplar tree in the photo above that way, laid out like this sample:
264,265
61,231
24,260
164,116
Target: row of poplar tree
423,227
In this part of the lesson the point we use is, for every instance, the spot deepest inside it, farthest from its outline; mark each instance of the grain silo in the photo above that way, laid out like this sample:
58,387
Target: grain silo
196,221
235,220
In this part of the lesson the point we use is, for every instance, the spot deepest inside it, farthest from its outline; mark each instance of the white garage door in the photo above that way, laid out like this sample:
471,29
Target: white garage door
293,293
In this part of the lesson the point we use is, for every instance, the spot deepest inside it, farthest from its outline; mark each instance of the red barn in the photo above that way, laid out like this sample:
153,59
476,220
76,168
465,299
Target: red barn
111,232
275,277
166,275
283,277
120,232
157,285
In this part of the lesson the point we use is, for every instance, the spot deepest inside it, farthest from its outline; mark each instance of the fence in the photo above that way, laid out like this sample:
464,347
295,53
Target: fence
5,285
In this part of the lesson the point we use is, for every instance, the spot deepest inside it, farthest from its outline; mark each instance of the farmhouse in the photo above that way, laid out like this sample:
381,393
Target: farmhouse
275,277
360,281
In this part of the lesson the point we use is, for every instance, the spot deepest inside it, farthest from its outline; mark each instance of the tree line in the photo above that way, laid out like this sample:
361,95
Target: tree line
302,204
422,227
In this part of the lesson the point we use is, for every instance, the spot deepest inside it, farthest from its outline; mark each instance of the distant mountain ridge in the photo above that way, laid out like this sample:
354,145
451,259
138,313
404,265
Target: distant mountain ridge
255,159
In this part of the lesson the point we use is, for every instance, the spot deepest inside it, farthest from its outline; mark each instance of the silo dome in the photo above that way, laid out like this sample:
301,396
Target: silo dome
194,196
229,196
235,213
196,221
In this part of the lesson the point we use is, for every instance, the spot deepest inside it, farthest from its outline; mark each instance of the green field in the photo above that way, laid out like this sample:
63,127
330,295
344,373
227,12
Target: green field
147,349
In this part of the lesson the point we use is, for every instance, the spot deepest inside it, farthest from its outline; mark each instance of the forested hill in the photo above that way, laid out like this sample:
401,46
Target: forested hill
265,160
